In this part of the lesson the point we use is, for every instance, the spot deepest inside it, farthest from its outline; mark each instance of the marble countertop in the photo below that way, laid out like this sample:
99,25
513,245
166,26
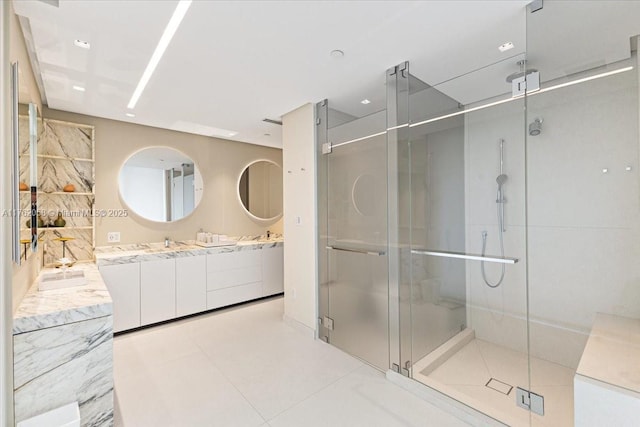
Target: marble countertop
613,351
124,254
45,309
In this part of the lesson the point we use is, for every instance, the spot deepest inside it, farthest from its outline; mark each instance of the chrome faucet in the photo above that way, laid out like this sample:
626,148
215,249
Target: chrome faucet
167,242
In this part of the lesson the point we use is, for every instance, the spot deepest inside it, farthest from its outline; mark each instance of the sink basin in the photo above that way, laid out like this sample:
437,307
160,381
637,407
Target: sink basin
62,279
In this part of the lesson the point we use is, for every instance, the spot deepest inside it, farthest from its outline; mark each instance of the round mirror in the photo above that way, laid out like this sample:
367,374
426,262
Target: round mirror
363,188
160,184
260,190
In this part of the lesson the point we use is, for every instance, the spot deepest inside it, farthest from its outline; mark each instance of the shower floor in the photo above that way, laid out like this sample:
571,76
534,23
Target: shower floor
466,376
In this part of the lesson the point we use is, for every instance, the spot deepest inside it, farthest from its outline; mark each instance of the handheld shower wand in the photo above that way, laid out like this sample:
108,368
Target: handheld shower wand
500,200
501,179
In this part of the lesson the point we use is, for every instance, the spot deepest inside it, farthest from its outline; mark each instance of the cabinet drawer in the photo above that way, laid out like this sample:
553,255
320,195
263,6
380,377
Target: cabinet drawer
233,277
228,296
233,260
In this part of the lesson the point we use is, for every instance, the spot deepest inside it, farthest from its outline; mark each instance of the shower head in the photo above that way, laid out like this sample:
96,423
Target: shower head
535,127
501,179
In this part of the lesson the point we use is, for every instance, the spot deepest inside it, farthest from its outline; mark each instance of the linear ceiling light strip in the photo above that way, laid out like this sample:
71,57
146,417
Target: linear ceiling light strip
358,139
169,31
503,101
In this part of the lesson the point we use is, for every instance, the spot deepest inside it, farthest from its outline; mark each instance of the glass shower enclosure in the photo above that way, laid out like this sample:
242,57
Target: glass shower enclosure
354,273
479,233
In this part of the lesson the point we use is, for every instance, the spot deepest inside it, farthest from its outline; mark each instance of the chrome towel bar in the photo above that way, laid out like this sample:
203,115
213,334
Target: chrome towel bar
462,255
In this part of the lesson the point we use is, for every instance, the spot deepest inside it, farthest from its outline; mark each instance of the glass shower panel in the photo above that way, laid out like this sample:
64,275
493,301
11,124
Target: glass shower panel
435,179
583,210
357,253
468,242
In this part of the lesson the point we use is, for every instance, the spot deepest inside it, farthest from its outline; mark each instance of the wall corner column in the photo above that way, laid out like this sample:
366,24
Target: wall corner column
300,217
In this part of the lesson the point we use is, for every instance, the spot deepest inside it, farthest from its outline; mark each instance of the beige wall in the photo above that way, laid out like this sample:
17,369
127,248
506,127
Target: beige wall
220,161
300,250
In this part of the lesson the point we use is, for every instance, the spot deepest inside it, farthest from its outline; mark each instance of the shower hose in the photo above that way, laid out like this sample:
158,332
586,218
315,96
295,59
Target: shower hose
484,247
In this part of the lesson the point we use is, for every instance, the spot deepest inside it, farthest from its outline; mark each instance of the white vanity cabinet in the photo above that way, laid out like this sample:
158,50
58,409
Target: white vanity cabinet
191,285
272,271
233,277
157,291
148,288
123,283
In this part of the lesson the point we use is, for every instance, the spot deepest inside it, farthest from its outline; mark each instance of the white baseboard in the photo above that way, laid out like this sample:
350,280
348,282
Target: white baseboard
299,326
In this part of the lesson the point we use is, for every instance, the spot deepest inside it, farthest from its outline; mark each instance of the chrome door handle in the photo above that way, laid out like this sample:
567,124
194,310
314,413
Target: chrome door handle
462,255
357,251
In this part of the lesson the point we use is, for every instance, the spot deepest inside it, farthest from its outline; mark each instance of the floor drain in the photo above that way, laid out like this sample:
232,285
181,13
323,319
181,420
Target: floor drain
498,385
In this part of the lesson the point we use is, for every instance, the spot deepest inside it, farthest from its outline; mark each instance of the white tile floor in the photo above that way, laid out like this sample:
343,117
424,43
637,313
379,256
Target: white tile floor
246,367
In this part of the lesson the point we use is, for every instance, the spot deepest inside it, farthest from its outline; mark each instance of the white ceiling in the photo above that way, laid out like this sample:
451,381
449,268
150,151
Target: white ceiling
233,63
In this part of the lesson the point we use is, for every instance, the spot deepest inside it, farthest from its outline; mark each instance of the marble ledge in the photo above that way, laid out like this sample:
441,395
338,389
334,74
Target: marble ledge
125,254
46,309
612,352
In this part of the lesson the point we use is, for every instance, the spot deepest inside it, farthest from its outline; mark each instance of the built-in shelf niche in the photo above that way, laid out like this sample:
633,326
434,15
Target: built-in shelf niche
66,153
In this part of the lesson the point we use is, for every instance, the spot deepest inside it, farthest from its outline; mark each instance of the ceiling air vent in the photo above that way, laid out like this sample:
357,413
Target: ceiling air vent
275,122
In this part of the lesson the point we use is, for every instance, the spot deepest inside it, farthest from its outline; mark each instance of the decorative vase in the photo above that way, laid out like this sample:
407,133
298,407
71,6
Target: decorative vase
23,186
59,222
69,188
40,221
28,223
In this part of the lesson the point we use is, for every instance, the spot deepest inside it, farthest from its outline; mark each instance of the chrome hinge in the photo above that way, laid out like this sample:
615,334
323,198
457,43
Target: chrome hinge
536,5
403,69
406,371
529,400
326,148
527,83
318,121
328,323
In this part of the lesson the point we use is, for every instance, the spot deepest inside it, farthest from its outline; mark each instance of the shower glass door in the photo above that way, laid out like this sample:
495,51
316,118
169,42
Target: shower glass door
461,168
354,289
584,211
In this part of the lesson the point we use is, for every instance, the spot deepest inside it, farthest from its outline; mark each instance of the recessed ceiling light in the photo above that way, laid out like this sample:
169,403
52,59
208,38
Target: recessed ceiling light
337,53
130,115
82,43
365,101
78,88
167,35
505,47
